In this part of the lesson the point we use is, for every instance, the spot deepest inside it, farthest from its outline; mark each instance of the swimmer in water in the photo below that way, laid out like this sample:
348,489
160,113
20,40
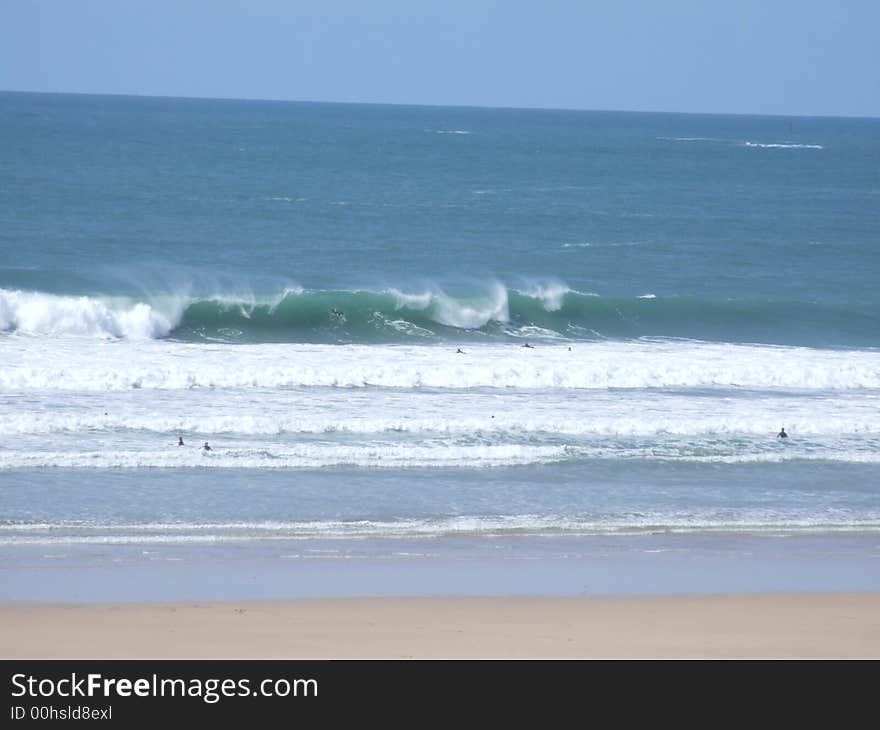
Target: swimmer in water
206,447
782,434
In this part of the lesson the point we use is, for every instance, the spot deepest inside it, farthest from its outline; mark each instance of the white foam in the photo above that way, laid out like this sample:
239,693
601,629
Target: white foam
531,332
72,364
463,313
46,314
746,521
301,456
613,414
407,327
614,244
411,301
474,314
747,143
550,293
781,145
401,457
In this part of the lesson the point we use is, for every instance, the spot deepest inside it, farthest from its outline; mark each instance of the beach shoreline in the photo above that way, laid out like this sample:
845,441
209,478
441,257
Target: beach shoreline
694,626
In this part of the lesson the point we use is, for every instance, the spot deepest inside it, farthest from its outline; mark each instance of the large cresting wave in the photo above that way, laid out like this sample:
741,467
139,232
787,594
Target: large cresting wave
543,311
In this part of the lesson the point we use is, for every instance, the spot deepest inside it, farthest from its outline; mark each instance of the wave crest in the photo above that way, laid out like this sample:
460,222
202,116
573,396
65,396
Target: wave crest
544,310
35,313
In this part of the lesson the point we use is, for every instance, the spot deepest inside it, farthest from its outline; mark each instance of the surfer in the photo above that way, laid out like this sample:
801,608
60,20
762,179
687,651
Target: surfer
459,351
528,345
206,447
782,434
180,440
335,312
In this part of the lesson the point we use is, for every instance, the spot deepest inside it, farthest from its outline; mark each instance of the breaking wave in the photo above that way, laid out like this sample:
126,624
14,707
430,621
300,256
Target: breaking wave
542,310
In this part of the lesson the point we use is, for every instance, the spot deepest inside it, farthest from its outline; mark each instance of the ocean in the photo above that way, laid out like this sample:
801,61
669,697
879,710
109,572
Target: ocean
434,350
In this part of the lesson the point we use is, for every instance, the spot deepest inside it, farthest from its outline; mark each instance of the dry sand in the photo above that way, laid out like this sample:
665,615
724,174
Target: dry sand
815,625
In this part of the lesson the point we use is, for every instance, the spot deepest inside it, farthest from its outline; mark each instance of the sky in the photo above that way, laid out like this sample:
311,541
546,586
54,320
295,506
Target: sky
797,57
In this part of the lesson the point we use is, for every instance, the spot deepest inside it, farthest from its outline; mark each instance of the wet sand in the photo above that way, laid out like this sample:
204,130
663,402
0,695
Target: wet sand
764,625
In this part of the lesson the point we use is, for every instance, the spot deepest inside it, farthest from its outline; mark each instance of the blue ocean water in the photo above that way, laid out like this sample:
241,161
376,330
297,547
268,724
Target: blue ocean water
338,297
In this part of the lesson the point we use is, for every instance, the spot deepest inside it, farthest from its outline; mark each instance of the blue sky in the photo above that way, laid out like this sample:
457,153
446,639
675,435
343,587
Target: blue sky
742,56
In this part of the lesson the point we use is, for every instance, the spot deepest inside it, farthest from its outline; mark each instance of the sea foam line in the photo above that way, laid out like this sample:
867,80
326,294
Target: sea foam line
407,456
525,525
81,365
783,145
587,419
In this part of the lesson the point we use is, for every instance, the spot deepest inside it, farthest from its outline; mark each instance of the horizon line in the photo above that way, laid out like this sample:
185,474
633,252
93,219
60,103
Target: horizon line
435,106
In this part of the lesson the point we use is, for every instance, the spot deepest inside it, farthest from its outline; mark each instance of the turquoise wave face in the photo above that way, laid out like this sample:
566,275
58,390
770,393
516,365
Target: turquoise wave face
382,317
549,313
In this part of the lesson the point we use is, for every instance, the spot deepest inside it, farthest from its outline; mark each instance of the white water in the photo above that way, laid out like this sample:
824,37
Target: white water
81,403
84,364
36,313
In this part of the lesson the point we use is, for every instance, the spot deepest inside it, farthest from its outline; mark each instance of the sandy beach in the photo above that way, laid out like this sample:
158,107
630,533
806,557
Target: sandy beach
789,625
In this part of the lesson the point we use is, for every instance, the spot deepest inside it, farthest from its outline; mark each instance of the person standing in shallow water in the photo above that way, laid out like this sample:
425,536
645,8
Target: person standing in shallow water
206,447
180,440
782,434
